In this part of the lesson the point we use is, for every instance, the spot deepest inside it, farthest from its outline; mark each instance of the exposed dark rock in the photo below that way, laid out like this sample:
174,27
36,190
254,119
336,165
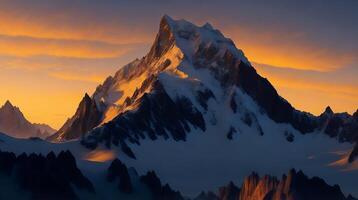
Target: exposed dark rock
231,133
328,111
118,170
159,192
247,119
203,97
86,118
47,177
261,90
342,126
7,162
289,136
233,104
229,192
355,115
294,186
157,115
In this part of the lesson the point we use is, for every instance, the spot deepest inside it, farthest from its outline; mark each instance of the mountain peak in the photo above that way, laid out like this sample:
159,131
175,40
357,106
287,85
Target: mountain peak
86,96
328,111
8,103
355,115
191,39
8,107
14,123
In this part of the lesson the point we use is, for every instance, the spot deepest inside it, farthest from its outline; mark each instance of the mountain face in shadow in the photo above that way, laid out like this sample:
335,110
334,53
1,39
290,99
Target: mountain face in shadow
44,177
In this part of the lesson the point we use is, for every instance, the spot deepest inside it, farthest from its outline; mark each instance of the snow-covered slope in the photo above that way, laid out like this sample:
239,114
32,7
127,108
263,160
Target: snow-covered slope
195,110
14,123
207,169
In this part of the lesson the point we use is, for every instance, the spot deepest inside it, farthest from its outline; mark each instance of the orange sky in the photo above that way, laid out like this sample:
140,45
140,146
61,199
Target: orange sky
50,57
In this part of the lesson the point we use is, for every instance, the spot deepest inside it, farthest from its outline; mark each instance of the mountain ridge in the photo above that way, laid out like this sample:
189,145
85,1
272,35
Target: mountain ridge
178,53
14,123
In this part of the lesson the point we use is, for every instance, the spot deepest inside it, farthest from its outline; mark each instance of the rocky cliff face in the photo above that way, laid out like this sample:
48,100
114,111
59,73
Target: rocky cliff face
85,119
14,123
50,177
189,79
342,126
294,186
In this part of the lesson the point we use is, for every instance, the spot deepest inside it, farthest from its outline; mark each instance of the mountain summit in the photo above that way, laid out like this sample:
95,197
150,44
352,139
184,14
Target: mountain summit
193,80
14,123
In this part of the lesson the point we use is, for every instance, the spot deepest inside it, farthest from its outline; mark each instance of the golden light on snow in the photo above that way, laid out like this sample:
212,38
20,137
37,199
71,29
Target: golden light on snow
343,163
100,156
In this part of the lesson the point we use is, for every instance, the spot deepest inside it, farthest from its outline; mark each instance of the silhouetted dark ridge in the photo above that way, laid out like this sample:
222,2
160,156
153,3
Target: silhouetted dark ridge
328,111
87,116
50,177
118,170
159,191
229,192
355,115
350,197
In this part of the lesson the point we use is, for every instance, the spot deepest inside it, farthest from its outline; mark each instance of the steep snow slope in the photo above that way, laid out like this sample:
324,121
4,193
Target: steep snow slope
192,167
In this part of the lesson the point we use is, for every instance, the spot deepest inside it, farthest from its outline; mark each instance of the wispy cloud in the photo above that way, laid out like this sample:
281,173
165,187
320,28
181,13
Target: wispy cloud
287,49
29,46
73,76
313,90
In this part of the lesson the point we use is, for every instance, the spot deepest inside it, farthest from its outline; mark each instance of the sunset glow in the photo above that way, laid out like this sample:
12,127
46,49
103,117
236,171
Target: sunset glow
51,55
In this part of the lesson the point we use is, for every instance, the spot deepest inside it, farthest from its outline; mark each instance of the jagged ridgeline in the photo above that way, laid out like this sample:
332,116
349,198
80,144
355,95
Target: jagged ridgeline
191,78
14,124
53,176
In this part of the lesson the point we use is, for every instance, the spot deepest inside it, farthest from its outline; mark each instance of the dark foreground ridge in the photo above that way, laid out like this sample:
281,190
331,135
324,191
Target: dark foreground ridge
50,177
57,177
294,186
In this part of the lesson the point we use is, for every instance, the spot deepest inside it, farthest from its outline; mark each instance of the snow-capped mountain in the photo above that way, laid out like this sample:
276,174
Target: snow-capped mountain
14,123
190,74
195,104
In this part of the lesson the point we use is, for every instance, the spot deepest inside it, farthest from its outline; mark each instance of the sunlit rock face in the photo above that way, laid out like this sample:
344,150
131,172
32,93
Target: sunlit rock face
14,123
294,186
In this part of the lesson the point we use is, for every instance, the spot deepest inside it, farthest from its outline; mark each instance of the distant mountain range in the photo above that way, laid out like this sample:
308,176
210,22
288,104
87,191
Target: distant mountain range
14,123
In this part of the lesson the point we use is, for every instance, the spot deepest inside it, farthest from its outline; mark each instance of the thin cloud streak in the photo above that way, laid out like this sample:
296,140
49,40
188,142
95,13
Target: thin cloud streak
311,90
28,46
